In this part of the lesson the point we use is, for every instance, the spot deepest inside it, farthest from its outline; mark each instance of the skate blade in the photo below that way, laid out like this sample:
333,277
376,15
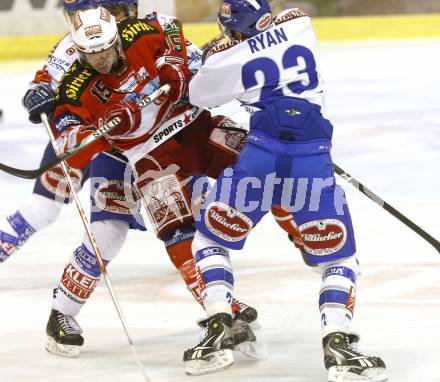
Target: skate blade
216,361
250,349
343,374
69,351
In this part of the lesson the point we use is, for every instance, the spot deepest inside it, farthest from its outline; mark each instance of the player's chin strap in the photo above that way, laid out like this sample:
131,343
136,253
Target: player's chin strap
89,232
101,131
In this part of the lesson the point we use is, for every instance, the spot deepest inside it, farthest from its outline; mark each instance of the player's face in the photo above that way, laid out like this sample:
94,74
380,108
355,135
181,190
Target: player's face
103,61
118,11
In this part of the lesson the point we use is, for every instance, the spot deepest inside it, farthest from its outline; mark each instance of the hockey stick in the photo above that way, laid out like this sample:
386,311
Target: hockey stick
376,199
221,36
32,174
94,244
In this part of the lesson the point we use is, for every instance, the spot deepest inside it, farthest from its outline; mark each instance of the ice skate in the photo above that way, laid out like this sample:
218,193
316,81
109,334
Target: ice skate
245,340
214,352
345,362
63,335
245,312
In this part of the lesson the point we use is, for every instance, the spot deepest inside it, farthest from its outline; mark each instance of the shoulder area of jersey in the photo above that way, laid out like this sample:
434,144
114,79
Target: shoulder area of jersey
220,47
164,20
74,82
64,46
289,14
132,29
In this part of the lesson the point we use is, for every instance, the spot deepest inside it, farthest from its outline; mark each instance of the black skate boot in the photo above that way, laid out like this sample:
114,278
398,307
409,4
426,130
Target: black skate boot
63,335
245,340
244,312
345,362
214,352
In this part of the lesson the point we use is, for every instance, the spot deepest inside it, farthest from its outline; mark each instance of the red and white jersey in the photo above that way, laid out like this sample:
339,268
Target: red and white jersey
83,93
277,62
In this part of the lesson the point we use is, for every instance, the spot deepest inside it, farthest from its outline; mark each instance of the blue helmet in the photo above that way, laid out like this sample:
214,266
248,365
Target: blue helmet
76,5
125,3
115,2
248,17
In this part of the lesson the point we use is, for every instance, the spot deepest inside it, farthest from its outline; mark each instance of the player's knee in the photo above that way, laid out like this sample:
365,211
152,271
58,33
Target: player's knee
201,241
110,236
178,245
41,211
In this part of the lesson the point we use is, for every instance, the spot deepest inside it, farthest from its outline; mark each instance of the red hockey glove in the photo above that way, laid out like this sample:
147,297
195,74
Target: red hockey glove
83,157
129,113
174,72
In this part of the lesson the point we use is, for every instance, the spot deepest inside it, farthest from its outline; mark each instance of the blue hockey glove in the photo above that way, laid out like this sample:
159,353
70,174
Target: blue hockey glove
39,99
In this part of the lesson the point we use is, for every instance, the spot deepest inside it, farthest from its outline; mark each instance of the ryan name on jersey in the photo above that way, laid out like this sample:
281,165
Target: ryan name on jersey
267,39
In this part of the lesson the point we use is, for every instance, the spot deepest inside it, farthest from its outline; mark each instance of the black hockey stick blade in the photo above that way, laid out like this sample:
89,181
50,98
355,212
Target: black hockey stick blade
387,207
33,174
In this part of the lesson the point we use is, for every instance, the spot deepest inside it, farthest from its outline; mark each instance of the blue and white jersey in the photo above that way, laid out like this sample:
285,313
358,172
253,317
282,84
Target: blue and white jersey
61,59
279,61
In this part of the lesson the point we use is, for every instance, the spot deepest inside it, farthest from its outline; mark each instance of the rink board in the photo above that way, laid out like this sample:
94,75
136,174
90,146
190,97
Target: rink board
327,29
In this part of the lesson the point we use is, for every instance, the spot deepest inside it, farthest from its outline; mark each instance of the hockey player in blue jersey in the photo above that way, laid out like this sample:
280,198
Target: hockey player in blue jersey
269,64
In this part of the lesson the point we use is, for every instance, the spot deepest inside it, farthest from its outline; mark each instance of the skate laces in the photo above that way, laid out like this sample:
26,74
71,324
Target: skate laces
352,342
68,324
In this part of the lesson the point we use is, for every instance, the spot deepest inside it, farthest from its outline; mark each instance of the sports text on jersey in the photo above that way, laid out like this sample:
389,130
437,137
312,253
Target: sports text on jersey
266,39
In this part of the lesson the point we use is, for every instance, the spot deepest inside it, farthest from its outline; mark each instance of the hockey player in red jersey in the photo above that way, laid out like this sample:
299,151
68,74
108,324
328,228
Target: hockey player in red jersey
86,97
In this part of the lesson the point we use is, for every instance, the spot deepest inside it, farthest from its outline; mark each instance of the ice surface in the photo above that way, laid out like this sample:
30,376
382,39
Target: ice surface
383,98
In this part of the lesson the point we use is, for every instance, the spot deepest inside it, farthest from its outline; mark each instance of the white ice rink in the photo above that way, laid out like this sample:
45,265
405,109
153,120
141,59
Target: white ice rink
384,100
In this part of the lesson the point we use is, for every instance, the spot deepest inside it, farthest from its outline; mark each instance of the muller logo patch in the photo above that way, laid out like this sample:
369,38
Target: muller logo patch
323,237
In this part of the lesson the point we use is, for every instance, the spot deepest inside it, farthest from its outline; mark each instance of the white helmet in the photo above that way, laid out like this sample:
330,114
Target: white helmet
95,31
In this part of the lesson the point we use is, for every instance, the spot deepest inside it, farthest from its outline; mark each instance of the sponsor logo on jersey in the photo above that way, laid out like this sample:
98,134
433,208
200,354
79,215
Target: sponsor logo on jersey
75,80
226,222
176,124
264,22
71,51
54,181
323,237
225,10
134,80
133,30
116,196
